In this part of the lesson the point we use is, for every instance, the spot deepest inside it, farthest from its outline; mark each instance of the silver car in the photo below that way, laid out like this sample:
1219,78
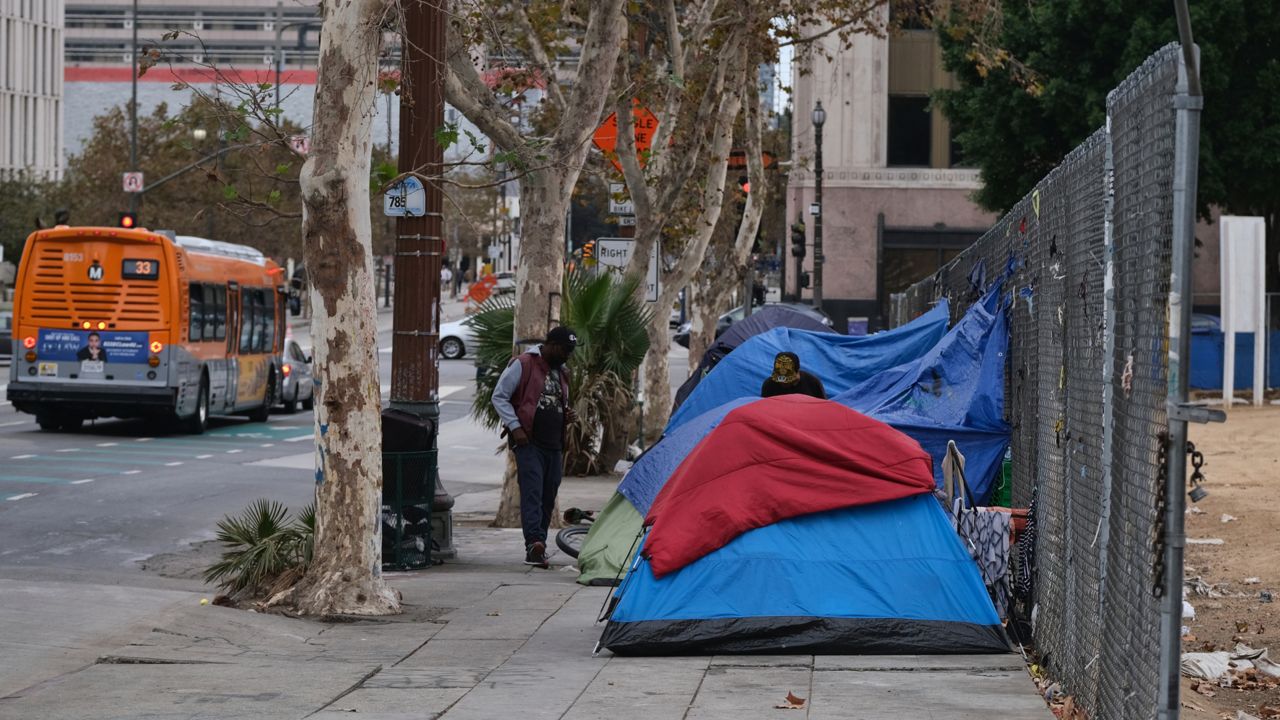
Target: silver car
296,386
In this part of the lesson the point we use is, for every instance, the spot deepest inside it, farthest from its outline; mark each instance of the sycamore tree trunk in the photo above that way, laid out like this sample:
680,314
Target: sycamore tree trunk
539,280
345,574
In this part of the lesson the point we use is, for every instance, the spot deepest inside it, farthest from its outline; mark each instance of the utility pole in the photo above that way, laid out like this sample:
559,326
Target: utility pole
415,359
133,110
819,118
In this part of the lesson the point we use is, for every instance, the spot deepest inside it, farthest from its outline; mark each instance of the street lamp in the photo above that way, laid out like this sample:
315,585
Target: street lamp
819,119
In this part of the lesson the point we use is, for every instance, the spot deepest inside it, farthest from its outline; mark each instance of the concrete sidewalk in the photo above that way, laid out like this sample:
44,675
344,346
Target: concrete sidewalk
486,638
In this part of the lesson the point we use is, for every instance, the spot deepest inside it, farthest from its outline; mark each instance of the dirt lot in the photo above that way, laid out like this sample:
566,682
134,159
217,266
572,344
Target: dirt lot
1243,471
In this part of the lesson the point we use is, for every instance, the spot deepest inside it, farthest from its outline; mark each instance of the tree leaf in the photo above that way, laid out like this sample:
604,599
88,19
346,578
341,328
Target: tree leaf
229,192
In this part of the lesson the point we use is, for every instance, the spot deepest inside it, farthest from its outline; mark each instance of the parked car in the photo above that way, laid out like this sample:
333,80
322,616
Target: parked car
297,385
6,335
455,338
738,313
506,283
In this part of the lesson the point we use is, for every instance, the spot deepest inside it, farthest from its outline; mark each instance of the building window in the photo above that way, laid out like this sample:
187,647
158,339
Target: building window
910,131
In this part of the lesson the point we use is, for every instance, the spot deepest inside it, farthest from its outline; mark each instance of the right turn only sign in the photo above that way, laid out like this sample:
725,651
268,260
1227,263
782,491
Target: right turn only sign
615,253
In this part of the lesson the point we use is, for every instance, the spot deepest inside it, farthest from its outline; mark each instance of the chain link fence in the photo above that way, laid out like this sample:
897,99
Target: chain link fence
1085,262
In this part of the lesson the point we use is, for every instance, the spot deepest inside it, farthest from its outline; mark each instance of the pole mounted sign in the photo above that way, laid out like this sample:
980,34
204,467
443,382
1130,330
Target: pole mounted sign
407,198
615,254
132,182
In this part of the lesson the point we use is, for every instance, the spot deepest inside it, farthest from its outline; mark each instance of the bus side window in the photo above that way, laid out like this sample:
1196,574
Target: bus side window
196,297
268,322
246,320
220,313
210,312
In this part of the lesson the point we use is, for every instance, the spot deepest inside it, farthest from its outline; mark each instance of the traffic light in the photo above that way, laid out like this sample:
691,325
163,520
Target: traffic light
128,220
797,240
745,183
804,279
589,250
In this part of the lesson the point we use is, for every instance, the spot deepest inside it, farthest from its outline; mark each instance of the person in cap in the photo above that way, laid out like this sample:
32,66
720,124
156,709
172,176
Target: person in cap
788,379
532,400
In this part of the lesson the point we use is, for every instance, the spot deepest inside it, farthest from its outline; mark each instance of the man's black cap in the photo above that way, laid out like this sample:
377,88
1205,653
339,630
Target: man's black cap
563,336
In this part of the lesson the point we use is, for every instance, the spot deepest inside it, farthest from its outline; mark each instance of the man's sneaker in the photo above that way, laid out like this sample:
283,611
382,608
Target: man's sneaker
537,555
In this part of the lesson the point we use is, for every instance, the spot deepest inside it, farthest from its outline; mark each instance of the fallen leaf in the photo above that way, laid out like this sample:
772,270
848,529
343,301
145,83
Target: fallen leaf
1204,689
1269,711
1189,637
1242,626
792,703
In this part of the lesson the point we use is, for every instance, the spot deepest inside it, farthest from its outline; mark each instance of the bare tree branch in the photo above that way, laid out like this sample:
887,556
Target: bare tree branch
540,58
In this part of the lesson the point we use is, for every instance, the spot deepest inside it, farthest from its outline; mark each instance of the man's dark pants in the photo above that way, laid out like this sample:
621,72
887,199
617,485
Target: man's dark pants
538,472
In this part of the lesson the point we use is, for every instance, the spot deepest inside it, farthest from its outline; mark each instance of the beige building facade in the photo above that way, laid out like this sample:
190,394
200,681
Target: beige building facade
896,196
31,113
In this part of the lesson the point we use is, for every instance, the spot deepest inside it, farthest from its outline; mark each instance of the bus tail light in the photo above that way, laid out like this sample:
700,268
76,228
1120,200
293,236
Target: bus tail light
86,324
157,346
31,356
287,369
153,361
28,342
102,325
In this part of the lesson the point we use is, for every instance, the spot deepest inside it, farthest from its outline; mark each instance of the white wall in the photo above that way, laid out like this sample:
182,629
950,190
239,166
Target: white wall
31,87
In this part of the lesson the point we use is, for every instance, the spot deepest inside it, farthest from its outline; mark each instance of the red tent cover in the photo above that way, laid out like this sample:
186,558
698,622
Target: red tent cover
773,459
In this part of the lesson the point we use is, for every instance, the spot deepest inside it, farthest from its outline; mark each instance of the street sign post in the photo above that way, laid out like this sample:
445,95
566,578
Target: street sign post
407,198
615,254
133,182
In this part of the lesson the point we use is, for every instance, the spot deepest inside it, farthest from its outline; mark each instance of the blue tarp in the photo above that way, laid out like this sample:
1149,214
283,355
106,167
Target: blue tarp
766,318
817,583
840,361
955,392
651,471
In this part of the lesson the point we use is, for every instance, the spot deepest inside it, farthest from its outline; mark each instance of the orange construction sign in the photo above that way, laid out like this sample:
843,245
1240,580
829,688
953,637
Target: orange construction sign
606,136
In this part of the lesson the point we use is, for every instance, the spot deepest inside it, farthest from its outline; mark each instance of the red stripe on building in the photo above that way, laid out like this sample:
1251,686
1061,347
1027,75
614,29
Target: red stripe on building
202,76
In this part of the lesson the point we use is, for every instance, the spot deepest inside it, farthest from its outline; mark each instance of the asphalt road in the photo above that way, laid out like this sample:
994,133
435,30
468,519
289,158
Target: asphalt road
88,506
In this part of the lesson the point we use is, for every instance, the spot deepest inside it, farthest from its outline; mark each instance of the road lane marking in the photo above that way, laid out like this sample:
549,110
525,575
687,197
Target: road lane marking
203,457
267,445
233,452
21,457
143,439
67,450
22,496
14,423
130,472
82,482
107,444
300,438
173,464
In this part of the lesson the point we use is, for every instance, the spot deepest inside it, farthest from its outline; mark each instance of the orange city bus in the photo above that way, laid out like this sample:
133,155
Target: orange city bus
111,322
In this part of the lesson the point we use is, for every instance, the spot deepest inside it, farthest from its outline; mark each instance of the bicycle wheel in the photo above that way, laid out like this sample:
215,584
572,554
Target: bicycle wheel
571,538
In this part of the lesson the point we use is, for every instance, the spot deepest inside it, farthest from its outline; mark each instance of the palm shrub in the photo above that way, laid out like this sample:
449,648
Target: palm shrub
262,548
610,321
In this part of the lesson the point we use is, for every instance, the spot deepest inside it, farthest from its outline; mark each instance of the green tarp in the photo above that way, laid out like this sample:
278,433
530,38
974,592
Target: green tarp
610,543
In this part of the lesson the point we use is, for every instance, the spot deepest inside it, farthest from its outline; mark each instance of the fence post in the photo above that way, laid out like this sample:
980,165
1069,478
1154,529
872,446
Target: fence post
1185,165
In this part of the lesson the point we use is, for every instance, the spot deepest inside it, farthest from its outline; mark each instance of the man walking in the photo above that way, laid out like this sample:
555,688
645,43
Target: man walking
532,399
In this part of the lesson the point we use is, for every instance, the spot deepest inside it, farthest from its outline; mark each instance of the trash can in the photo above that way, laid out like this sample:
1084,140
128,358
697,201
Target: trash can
408,484
408,487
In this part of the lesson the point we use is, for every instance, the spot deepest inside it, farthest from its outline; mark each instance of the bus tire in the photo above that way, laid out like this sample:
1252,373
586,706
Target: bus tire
48,423
196,422
71,423
260,414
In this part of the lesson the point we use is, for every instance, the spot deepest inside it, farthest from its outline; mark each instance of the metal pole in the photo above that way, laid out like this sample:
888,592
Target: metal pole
133,109
817,220
415,359
1186,160
279,53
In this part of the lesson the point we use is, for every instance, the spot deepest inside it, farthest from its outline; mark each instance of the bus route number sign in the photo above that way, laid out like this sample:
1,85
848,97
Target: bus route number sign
407,198
140,270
